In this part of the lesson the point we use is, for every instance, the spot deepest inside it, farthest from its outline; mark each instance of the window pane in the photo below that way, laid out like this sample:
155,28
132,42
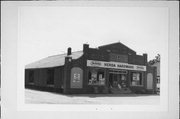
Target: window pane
136,79
96,77
101,78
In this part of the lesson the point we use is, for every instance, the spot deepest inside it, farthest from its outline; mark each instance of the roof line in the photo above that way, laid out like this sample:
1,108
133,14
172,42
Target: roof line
53,61
64,53
108,44
115,43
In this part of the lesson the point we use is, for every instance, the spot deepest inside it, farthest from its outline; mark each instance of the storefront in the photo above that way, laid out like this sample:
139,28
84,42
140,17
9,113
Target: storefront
112,68
119,76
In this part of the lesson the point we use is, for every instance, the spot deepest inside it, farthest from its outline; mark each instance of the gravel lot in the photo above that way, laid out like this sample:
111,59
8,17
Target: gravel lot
36,97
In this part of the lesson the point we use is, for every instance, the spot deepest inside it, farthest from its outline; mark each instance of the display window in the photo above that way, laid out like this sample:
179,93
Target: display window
96,77
136,79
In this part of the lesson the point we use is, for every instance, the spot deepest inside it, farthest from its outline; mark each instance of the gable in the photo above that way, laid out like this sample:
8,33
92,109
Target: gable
117,48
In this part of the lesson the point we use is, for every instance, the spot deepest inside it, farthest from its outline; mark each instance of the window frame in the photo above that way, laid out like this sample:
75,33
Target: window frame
97,70
141,79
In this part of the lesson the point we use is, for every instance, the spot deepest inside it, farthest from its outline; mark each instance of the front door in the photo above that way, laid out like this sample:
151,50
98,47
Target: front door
117,81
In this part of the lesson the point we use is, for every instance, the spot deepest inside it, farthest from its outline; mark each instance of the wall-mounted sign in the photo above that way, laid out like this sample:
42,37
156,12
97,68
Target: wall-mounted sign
115,65
118,71
76,77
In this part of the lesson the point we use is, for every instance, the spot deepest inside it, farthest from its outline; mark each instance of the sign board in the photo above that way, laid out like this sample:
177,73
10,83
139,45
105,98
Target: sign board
76,77
115,65
119,71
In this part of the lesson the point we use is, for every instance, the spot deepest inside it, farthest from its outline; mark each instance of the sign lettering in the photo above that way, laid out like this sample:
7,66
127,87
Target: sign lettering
115,65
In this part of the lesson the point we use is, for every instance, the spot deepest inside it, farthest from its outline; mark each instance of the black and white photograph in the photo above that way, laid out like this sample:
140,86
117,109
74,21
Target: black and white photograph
93,57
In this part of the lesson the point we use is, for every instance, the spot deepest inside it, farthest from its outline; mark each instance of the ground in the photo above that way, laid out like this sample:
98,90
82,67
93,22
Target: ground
35,97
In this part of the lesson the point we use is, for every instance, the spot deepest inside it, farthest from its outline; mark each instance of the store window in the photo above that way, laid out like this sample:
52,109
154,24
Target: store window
50,78
136,79
96,77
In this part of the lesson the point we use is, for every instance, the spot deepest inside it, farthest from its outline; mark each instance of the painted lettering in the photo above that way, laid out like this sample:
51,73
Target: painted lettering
115,65
96,63
109,65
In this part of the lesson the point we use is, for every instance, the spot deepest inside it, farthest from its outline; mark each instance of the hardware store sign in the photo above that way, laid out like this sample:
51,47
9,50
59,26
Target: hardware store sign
115,65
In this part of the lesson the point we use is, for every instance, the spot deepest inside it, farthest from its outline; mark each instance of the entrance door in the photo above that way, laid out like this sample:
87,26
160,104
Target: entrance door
117,81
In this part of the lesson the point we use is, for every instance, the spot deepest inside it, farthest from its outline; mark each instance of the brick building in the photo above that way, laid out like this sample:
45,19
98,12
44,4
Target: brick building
112,68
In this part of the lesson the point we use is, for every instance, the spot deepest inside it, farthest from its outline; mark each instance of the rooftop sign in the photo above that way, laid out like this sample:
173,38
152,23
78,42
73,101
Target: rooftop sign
115,65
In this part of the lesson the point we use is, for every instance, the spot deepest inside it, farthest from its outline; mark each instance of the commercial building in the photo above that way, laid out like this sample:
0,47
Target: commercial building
112,68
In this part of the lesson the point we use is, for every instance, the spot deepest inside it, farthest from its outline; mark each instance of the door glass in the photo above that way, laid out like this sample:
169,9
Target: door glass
117,81
123,81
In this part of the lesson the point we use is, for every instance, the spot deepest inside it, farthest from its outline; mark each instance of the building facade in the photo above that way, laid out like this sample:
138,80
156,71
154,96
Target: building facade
112,68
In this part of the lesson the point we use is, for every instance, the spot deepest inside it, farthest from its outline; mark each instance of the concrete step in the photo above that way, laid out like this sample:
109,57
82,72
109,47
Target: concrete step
120,91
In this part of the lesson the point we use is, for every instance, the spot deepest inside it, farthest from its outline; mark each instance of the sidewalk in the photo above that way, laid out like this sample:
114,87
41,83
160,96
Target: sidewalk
36,97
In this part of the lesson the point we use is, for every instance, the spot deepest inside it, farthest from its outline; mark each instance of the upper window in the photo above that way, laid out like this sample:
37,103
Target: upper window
136,79
96,77
118,58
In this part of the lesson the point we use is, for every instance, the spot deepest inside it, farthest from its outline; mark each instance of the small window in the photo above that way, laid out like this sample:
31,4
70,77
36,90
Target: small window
31,76
118,57
96,77
136,79
50,77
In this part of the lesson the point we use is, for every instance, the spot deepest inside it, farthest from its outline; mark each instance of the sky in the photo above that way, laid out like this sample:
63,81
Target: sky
46,31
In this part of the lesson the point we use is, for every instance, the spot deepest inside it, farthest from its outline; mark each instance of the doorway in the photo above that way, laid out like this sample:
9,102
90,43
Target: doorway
117,81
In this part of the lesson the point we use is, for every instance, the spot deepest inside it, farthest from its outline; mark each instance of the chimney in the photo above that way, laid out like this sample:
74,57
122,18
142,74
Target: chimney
85,47
145,58
69,51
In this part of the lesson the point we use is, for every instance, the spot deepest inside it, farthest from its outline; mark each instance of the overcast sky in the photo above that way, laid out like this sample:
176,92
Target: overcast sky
45,31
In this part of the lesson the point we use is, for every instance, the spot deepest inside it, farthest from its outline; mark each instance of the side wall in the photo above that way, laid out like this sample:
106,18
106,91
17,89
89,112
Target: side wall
58,78
79,63
40,79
